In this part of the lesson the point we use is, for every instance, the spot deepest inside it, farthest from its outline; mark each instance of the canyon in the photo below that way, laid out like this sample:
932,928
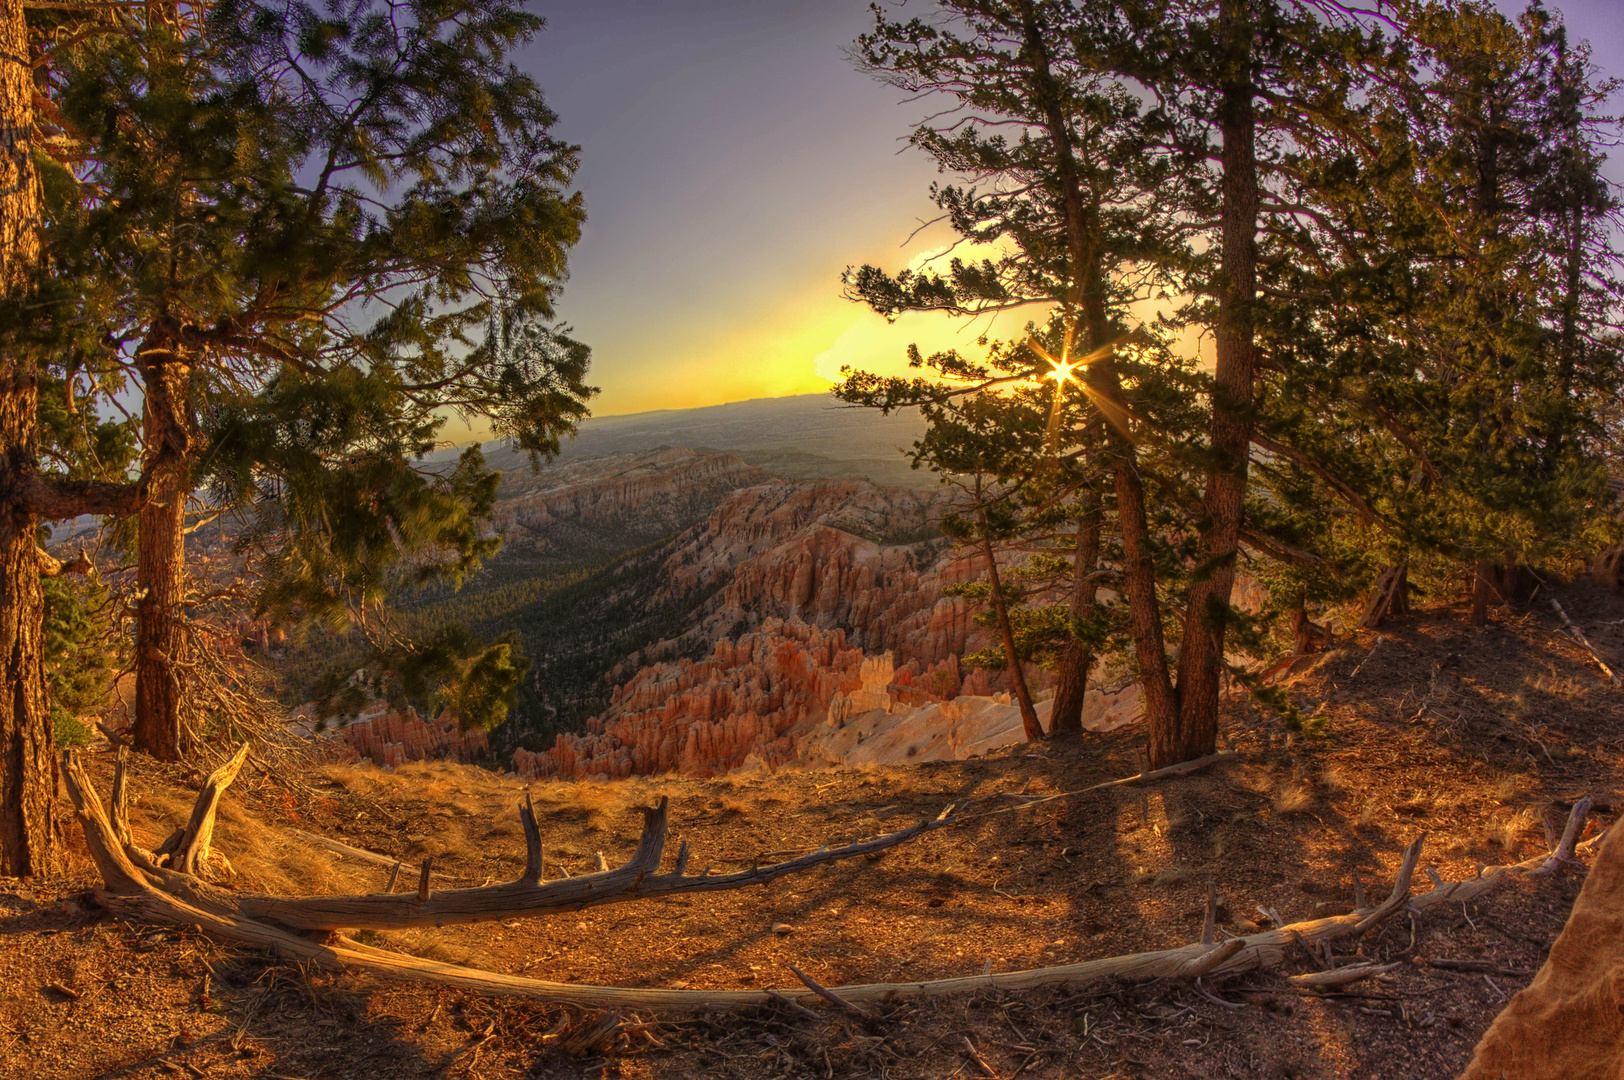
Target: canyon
769,623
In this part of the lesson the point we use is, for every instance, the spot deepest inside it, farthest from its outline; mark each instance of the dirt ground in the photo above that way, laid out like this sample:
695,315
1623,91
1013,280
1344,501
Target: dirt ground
1477,737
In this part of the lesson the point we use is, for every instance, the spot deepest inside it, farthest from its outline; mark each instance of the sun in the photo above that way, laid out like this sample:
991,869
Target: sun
1062,372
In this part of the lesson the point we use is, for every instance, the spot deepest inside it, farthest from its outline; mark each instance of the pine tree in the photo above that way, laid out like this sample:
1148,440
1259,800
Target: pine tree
1455,404
1069,201
1209,201
29,830
290,193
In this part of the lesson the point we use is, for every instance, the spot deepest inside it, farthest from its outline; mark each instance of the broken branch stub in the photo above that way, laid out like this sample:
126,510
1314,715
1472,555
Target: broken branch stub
191,855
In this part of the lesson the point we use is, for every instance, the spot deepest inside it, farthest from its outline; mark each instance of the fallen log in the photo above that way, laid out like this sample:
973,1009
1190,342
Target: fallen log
150,893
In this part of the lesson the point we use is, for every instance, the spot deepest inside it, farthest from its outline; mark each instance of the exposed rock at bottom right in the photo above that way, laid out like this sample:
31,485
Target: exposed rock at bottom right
1569,1022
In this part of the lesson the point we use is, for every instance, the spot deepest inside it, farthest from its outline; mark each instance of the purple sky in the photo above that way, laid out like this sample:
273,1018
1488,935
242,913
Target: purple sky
733,162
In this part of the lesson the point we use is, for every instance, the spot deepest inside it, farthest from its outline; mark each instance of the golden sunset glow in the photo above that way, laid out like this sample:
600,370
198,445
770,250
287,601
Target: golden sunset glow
1062,372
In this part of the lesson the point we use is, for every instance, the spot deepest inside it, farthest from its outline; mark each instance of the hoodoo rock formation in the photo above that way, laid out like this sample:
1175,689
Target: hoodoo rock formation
827,601
385,737
752,703
836,554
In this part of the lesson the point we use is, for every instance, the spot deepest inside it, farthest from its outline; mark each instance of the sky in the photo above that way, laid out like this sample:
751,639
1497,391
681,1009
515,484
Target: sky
733,162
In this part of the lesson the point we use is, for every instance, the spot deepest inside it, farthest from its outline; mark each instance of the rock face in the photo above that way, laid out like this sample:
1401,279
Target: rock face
391,738
1568,1024
826,602
792,695
634,496
705,717
965,727
834,554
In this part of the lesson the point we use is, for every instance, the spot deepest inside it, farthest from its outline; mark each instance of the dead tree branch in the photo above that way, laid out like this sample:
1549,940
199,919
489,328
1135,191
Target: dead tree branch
137,888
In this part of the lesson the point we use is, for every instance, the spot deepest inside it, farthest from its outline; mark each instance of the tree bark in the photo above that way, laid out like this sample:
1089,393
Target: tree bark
1484,593
1017,677
1076,658
1201,658
29,831
160,640
19,184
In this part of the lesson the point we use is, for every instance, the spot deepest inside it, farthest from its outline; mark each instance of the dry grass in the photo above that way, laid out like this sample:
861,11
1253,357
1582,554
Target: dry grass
1420,805
731,804
1512,830
1253,778
602,806
1507,789
1293,797
1337,778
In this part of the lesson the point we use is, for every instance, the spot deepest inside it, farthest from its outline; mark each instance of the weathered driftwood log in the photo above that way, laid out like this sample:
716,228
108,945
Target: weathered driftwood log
638,879
191,850
150,893
343,850
1343,976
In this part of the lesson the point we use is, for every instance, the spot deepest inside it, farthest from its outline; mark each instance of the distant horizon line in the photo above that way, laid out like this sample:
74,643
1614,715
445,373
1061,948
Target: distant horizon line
482,441
696,408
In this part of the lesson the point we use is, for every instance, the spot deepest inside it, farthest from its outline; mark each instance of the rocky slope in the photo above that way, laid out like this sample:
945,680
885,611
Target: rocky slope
621,499
751,703
729,642
385,737
835,554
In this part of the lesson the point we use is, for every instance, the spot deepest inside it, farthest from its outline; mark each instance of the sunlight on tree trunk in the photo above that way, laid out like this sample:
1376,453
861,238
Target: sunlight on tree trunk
28,826
161,566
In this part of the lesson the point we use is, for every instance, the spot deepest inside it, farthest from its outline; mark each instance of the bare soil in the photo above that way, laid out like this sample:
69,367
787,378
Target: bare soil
1475,736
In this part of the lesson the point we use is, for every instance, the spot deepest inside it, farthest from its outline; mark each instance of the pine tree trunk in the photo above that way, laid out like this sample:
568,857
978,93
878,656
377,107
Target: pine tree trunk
1483,592
1017,677
29,832
160,638
1076,658
1144,610
19,185
1202,655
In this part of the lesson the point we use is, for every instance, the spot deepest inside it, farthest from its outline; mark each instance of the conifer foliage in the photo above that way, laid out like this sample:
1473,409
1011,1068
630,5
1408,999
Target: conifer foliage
308,232
299,236
1391,227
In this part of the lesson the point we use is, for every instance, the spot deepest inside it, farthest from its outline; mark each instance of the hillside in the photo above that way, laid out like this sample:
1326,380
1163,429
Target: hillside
801,437
1471,736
